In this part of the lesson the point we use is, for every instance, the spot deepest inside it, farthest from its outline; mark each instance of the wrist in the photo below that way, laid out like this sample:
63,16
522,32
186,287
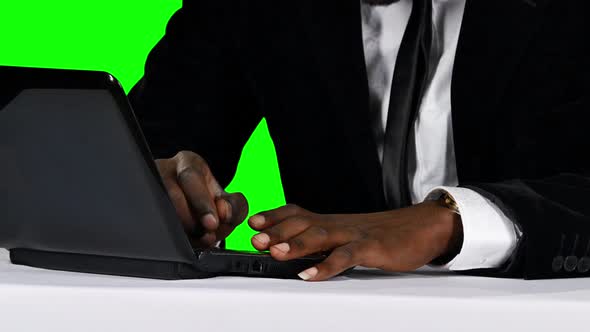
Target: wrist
451,232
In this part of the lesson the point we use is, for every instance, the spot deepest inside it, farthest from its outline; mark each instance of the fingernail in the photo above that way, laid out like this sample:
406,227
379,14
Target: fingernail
282,247
228,209
257,221
209,222
309,273
262,238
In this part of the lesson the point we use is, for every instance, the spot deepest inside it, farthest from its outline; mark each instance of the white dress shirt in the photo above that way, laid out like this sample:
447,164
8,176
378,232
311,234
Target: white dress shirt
489,236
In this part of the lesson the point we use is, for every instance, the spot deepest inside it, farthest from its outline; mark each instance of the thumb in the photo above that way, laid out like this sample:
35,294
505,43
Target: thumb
232,208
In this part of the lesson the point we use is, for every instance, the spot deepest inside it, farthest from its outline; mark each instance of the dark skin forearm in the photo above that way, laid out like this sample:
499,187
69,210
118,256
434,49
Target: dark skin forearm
398,240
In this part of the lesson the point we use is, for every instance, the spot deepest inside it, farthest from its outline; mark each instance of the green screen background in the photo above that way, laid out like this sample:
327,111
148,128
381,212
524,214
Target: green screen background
116,36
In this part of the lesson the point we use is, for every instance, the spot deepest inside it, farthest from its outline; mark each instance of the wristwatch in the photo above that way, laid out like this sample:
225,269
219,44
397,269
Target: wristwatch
449,202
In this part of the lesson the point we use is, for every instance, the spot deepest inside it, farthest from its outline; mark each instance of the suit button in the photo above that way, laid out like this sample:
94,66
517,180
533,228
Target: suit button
557,264
571,263
584,264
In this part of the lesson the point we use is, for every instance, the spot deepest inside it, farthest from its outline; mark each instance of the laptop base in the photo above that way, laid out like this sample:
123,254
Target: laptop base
106,265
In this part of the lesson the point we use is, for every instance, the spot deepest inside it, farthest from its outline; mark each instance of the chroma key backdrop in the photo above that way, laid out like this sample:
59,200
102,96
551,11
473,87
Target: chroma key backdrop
116,36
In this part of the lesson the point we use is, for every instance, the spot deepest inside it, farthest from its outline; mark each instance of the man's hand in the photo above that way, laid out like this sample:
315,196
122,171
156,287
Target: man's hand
208,213
400,240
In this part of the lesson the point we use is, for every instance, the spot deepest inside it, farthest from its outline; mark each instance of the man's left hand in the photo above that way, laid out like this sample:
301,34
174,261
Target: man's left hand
399,240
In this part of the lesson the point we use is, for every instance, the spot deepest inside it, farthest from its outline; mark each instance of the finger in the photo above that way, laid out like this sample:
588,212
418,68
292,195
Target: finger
270,218
232,208
207,240
225,229
224,210
167,170
181,206
341,259
201,199
313,240
281,233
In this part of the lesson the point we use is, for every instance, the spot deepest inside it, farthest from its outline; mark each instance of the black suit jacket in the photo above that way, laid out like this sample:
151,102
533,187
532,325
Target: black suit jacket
520,98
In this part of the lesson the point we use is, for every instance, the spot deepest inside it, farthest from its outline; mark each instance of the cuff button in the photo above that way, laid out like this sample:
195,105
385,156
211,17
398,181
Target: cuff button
571,263
557,264
584,265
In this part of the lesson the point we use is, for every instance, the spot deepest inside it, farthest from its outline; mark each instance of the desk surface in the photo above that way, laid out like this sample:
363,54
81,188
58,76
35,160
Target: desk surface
41,300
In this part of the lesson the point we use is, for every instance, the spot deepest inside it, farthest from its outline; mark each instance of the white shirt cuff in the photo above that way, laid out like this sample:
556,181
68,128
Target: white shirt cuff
489,236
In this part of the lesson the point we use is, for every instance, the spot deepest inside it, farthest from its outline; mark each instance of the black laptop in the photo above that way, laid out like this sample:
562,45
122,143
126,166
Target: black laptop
79,190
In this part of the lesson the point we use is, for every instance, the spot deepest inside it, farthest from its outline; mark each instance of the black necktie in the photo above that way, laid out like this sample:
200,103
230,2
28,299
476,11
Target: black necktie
411,70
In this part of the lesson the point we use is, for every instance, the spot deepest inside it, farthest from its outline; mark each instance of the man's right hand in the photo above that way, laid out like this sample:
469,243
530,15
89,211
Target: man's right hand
208,213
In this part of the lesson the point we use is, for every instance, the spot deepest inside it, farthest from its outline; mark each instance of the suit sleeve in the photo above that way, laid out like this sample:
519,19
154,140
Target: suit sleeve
553,210
195,94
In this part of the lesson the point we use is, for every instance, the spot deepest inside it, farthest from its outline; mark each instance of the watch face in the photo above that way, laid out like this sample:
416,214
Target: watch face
450,203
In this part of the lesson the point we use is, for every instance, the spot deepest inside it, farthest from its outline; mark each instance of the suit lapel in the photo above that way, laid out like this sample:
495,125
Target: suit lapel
494,36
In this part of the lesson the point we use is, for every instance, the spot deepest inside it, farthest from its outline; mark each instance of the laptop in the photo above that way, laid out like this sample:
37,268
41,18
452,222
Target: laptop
79,190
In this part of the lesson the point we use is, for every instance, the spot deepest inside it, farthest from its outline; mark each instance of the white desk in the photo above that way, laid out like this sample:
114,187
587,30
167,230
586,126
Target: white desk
40,300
